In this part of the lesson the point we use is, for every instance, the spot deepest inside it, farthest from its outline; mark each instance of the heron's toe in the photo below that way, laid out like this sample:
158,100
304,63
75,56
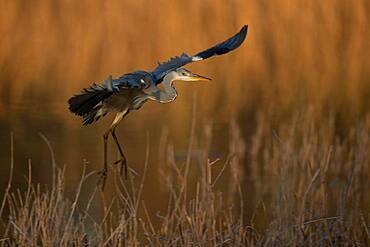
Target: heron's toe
123,164
119,161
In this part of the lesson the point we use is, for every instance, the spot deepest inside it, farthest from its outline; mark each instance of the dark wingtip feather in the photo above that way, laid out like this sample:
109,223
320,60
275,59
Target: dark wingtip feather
224,47
243,32
238,39
244,29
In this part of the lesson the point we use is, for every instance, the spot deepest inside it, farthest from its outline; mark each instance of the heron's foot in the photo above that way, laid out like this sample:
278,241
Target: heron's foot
123,164
102,177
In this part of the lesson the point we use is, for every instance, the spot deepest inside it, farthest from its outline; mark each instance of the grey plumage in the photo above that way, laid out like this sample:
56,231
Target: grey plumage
130,91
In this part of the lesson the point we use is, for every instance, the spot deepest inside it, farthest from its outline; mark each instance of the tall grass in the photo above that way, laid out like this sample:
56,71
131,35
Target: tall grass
310,185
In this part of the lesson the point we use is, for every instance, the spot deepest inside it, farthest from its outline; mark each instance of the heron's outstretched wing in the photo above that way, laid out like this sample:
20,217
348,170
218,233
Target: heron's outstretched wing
219,49
172,64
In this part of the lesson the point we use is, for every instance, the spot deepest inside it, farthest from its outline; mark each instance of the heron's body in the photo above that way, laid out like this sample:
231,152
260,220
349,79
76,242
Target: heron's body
130,91
125,100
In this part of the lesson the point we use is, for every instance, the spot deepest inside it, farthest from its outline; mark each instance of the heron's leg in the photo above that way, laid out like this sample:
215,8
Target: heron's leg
115,122
103,173
123,158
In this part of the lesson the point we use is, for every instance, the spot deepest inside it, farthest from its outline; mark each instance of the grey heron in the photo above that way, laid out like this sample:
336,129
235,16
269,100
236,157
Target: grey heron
130,91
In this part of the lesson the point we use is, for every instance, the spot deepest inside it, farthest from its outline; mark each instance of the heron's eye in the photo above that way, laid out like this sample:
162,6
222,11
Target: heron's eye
183,73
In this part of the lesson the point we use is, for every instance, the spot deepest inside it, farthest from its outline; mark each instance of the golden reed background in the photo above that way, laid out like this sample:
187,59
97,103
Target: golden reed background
296,53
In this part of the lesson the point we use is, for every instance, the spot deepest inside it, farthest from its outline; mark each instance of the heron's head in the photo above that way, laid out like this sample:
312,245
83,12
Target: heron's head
186,75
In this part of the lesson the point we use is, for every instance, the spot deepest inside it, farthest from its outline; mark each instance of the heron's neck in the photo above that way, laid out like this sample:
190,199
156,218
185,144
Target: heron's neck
169,93
169,79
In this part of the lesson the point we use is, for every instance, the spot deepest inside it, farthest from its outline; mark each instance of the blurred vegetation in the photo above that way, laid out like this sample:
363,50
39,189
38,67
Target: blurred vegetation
297,53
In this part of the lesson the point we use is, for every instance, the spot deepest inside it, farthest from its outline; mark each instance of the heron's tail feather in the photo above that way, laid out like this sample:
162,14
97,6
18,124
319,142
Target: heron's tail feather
86,104
94,115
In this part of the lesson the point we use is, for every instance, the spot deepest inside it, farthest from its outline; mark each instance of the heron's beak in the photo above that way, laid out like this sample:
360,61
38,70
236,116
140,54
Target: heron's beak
195,77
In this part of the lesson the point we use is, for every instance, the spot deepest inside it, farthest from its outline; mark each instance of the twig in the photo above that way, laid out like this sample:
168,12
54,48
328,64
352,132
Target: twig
6,194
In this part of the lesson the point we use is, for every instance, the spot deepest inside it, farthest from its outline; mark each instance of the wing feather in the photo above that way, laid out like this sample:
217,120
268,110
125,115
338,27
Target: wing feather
222,48
137,79
175,62
226,46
